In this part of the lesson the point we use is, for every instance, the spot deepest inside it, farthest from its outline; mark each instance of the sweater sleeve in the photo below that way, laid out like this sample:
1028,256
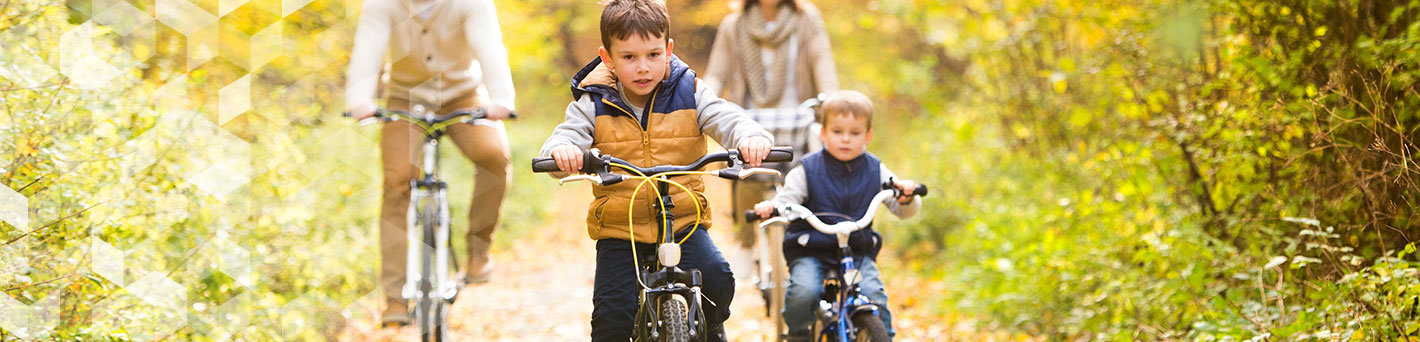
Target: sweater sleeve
576,129
486,38
898,209
795,189
367,56
718,70
825,72
725,121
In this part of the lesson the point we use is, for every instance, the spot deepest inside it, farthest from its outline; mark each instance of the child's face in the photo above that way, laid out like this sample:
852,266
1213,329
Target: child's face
639,64
845,136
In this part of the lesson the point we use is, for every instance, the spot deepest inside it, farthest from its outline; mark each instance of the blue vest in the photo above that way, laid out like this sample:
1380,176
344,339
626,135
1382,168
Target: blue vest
845,188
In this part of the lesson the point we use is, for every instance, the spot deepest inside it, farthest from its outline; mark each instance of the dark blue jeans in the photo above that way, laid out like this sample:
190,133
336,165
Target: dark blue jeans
806,285
615,291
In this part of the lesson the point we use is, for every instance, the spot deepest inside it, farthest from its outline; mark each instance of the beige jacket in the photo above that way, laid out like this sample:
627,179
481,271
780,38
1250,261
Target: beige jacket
814,68
434,61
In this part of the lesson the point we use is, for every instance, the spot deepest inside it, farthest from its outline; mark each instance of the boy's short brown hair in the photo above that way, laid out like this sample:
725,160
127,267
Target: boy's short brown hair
846,102
622,18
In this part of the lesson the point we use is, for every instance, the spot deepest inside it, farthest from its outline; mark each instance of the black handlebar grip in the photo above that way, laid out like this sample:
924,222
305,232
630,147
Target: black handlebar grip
751,216
544,164
780,154
921,190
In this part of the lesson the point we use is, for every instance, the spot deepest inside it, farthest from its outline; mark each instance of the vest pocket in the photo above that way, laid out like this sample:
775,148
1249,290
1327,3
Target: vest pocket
598,210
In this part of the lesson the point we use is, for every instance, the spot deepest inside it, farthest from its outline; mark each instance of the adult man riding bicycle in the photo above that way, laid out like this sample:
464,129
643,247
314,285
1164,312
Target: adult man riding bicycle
434,46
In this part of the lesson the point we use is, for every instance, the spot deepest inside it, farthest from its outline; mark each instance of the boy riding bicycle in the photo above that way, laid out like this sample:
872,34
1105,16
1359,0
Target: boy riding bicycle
434,45
841,178
638,102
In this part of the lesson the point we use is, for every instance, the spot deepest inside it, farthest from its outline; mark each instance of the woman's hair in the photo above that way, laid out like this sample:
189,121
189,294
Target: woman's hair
748,3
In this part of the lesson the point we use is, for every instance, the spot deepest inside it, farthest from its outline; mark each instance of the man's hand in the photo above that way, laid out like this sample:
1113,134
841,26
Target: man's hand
907,186
754,150
764,209
496,112
362,110
569,159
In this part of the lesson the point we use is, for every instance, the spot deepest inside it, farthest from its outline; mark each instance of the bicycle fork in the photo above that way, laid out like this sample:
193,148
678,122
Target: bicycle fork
427,222
668,281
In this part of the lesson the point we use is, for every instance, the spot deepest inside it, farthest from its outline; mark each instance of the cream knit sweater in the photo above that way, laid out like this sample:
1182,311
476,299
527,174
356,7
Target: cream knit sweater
438,52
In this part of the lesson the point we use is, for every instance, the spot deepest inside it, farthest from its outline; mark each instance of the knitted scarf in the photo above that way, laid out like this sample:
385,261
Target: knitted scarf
753,36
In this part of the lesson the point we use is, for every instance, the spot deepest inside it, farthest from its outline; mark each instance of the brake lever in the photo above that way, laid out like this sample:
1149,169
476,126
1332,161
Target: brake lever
746,173
583,177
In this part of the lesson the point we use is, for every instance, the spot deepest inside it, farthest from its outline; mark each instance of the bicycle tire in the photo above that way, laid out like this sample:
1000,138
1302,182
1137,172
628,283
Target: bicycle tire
438,328
432,313
675,319
869,328
778,277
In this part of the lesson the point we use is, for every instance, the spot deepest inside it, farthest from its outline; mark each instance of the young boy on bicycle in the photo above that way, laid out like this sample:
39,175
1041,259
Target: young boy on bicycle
842,178
639,102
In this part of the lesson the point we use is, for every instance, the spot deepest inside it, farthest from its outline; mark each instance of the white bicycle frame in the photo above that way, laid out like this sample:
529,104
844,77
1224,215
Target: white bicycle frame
444,287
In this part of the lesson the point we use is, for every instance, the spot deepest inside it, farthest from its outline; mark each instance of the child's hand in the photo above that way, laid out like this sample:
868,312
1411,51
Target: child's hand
907,186
754,150
764,209
569,159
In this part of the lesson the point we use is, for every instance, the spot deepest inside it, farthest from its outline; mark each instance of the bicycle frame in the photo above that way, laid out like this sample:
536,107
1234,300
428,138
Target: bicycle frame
419,281
662,278
429,256
841,298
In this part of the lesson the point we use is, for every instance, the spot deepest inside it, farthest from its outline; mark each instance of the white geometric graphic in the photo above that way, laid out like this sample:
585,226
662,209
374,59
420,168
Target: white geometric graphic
123,18
202,44
183,16
14,209
234,99
14,258
34,321
229,317
77,59
266,45
24,68
158,290
233,260
227,6
220,161
290,6
107,261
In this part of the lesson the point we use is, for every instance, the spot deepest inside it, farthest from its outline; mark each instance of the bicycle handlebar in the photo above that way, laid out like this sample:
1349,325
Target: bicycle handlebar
798,211
430,119
595,163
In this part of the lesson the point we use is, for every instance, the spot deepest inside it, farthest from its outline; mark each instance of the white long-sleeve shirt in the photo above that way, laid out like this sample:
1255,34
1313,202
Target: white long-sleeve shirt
796,190
439,51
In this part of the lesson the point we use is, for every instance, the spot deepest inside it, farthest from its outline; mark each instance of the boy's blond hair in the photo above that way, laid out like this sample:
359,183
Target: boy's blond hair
646,18
847,102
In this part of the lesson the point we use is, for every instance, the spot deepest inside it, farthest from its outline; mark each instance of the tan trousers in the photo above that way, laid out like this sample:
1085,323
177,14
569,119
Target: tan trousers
401,154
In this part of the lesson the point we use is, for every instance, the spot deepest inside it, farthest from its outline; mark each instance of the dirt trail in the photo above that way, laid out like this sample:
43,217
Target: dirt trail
548,298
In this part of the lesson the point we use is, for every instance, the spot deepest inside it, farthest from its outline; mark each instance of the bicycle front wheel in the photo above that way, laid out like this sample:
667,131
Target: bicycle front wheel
432,311
675,318
773,276
869,328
